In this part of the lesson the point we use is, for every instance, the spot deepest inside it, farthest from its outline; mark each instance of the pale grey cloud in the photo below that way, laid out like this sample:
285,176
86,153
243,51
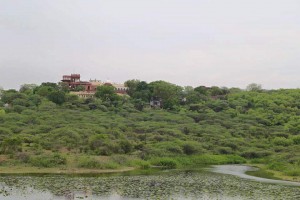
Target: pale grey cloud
187,42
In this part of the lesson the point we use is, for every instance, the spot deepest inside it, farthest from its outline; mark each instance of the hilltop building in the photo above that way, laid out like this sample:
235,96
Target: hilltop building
87,89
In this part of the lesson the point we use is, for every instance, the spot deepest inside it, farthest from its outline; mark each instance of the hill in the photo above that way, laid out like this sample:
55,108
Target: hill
46,126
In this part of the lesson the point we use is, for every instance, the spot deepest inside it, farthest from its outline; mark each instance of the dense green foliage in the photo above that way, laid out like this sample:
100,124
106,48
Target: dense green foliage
261,126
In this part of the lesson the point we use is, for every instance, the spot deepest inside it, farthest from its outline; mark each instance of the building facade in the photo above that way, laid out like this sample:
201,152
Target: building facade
87,89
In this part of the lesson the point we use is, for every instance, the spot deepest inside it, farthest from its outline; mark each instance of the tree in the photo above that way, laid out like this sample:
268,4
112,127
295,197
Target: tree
138,89
9,96
202,90
47,105
138,104
1,90
106,93
142,92
57,97
219,91
35,99
27,88
234,90
73,99
46,88
64,87
20,102
132,85
79,88
187,90
49,84
142,86
193,96
43,90
167,92
254,87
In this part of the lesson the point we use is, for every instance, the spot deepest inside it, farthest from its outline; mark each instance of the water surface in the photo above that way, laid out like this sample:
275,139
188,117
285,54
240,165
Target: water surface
240,171
172,184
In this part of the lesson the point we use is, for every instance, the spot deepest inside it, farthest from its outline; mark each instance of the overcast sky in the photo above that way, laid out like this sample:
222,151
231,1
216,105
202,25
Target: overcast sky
188,42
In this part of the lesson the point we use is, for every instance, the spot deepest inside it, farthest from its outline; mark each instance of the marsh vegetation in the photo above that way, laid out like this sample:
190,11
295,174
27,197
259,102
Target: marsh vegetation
170,184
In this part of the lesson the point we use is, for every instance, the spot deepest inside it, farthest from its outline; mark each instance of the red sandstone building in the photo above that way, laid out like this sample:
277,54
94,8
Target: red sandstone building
90,87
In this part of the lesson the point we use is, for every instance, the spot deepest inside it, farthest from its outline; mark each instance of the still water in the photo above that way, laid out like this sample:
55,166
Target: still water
220,182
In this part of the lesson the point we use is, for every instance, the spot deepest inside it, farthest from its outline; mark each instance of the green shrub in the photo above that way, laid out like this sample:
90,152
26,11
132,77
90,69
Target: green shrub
255,154
109,165
18,108
293,172
49,160
93,163
281,141
197,160
11,145
120,159
296,139
224,150
217,159
142,164
5,131
23,157
279,149
103,108
2,112
167,163
126,146
189,149
88,162
174,149
277,166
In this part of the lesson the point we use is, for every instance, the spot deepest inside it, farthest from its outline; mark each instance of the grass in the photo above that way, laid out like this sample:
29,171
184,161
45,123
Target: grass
273,174
197,161
83,164
56,170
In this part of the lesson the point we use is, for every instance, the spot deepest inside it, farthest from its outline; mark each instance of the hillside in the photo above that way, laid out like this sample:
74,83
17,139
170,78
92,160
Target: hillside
46,126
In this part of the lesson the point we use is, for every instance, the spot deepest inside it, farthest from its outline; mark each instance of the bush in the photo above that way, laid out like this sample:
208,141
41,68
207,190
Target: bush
88,162
103,108
51,160
18,108
175,149
120,159
281,141
296,139
293,172
23,157
126,146
93,163
109,165
255,154
2,112
5,131
189,149
216,159
11,144
277,166
224,150
142,164
166,163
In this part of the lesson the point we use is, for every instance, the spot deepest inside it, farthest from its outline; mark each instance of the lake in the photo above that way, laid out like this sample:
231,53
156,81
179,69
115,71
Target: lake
221,182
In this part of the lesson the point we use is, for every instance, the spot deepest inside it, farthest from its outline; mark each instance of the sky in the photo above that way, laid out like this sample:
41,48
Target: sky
228,43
